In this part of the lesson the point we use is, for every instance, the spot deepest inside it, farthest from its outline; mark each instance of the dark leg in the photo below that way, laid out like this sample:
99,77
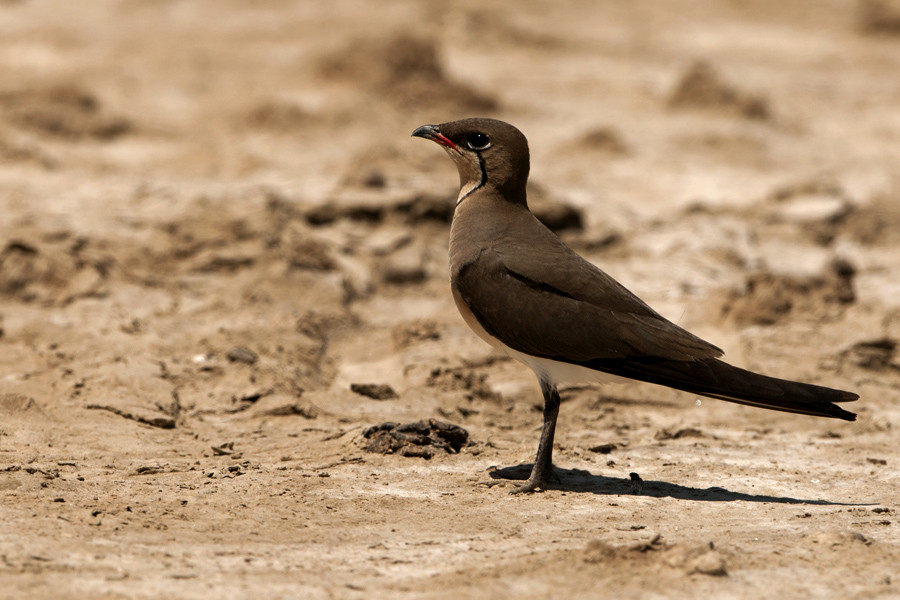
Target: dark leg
542,472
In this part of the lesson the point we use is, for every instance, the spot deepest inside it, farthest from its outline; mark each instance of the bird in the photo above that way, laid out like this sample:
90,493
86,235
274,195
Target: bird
526,293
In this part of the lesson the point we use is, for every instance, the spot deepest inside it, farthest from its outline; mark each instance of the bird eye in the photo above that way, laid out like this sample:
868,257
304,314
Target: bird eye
478,141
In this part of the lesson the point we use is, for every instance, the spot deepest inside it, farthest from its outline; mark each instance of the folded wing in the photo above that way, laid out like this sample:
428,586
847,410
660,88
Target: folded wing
575,313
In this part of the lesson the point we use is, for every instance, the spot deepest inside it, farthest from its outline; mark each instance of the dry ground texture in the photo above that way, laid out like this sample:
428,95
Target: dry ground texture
223,259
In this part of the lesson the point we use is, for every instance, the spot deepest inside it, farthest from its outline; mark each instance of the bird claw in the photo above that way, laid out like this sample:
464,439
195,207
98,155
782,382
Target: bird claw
532,484
529,487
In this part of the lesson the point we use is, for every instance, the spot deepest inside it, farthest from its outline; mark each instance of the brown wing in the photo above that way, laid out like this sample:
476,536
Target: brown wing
573,312
629,340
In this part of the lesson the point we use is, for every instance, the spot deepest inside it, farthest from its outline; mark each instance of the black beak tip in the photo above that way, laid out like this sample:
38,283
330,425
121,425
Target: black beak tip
425,131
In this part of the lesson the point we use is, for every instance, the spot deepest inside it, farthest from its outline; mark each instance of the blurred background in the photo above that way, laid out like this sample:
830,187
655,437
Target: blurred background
746,149
214,222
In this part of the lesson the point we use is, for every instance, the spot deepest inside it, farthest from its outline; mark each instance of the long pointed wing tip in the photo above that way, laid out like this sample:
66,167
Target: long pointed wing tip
846,415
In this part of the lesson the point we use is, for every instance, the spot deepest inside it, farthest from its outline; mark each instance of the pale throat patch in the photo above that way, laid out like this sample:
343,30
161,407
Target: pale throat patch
465,162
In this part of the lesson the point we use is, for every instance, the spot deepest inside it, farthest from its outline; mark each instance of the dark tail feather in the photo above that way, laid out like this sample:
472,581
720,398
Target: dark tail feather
717,379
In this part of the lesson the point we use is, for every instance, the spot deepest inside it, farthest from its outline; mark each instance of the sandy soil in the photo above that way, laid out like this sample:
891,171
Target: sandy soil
223,259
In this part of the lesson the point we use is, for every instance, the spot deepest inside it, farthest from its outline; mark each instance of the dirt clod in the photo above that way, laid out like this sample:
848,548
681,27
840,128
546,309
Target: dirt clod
376,391
419,439
603,448
681,433
242,355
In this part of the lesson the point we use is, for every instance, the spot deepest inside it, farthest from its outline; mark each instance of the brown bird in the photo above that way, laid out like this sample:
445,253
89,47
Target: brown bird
523,291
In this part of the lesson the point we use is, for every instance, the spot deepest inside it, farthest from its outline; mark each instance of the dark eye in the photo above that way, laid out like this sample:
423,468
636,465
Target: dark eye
478,141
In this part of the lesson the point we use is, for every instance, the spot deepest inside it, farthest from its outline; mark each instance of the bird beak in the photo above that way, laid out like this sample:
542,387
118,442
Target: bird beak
431,132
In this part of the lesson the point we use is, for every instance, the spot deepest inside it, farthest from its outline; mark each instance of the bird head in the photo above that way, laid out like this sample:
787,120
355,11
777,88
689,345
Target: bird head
487,153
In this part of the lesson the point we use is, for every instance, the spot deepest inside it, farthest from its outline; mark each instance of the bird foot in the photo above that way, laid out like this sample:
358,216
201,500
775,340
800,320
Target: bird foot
537,481
528,487
532,484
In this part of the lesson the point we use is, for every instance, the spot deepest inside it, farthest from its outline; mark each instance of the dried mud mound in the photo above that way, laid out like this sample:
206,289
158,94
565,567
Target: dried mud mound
405,71
770,299
879,17
602,141
701,87
874,224
55,271
278,116
64,111
420,439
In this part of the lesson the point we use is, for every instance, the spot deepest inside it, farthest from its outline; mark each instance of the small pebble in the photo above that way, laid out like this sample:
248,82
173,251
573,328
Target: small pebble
238,354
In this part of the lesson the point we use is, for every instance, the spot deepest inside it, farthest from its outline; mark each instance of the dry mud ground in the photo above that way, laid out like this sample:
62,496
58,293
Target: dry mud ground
213,223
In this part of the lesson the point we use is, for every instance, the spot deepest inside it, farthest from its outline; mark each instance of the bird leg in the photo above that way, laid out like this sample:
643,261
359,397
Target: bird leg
542,472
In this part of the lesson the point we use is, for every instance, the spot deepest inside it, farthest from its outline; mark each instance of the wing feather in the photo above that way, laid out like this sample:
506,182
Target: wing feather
551,319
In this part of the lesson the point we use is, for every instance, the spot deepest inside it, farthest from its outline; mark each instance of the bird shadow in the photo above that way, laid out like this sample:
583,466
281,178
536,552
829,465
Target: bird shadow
580,480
